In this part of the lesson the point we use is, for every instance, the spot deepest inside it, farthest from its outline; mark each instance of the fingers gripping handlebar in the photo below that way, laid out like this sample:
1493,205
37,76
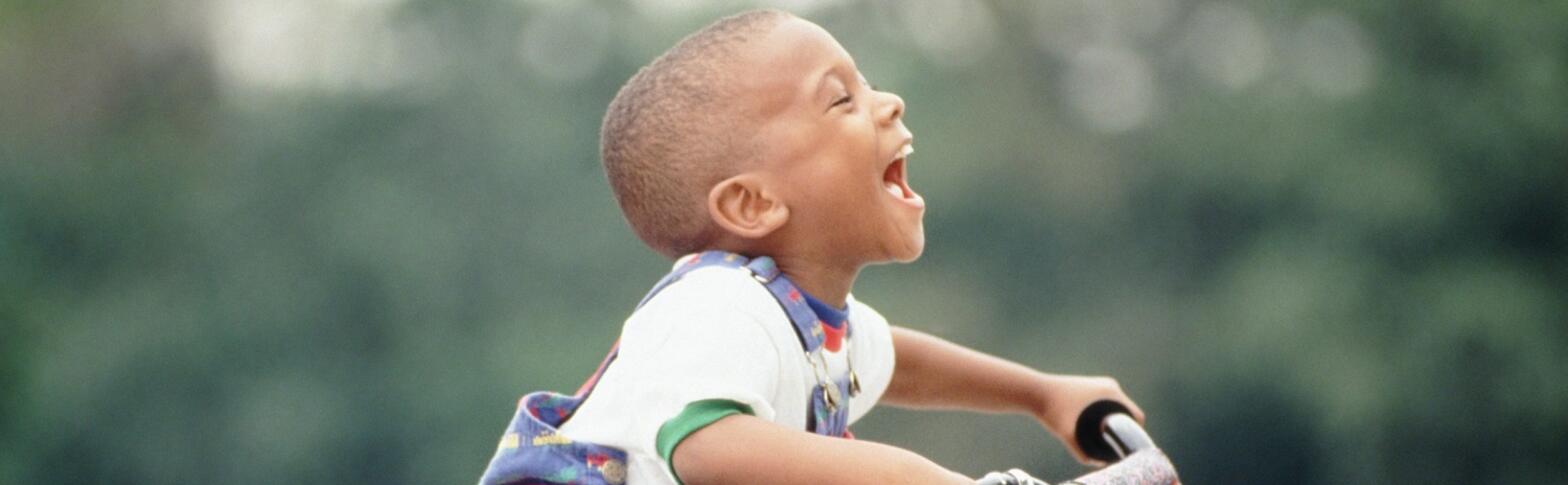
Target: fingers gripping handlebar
1106,431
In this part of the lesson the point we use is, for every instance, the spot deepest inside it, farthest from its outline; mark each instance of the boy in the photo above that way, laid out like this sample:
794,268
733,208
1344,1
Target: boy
757,141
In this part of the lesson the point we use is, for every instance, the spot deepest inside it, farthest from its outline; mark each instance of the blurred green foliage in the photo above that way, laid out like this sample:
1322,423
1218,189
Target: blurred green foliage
309,242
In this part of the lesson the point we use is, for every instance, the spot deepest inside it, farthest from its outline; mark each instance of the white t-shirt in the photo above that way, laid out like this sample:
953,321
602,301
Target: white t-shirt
718,334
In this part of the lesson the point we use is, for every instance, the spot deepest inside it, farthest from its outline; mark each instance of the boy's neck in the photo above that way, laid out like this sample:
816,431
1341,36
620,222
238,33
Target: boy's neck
828,283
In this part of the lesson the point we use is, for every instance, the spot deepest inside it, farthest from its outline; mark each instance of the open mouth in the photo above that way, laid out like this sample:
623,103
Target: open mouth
895,179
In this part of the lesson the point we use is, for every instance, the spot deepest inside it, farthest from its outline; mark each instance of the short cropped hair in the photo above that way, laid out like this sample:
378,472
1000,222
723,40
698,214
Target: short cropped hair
675,129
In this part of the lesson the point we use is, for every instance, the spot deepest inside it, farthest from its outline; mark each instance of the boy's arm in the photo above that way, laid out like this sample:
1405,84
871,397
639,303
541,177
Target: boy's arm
746,449
936,374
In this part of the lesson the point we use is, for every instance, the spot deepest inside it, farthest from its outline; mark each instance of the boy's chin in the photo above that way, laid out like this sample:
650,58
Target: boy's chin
910,250
899,259
914,254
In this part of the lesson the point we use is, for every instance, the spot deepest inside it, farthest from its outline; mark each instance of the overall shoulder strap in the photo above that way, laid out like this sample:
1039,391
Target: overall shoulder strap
763,269
807,326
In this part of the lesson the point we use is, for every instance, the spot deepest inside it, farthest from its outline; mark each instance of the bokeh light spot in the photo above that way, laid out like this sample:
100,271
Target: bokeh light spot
949,32
566,44
335,46
1332,56
1227,44
1111,88
1067,26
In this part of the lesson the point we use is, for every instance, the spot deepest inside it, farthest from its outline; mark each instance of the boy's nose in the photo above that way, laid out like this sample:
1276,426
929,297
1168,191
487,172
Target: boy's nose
892,108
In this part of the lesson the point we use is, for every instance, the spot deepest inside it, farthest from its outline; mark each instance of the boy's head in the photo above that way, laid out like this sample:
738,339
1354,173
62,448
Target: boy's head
758,135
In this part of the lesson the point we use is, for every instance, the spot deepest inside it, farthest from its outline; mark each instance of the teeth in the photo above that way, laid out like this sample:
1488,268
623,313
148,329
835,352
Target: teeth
893,188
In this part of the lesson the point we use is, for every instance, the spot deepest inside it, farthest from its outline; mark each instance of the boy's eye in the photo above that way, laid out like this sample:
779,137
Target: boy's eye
844,100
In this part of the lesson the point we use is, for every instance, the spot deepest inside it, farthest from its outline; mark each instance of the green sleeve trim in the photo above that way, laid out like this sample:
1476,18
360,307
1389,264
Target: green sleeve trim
696,416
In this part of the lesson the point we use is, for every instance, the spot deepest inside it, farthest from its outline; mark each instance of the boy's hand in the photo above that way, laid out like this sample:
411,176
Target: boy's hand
1063,398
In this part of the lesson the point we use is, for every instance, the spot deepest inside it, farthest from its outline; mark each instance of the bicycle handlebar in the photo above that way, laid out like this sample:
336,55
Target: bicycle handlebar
1106,432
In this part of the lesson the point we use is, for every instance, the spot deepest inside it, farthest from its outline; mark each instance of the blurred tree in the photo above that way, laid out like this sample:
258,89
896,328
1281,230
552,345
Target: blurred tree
261,242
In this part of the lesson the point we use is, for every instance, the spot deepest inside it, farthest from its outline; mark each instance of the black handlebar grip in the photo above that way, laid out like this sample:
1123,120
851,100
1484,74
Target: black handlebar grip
1106,439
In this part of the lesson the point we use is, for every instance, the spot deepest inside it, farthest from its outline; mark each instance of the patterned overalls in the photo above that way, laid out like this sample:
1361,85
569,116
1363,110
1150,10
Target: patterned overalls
533,452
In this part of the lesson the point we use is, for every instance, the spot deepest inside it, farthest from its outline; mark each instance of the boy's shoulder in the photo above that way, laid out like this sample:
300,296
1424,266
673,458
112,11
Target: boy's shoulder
710,284
703,294
730,293
717,286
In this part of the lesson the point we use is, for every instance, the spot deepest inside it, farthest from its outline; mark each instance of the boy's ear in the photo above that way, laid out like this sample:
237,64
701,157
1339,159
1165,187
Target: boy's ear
746,207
